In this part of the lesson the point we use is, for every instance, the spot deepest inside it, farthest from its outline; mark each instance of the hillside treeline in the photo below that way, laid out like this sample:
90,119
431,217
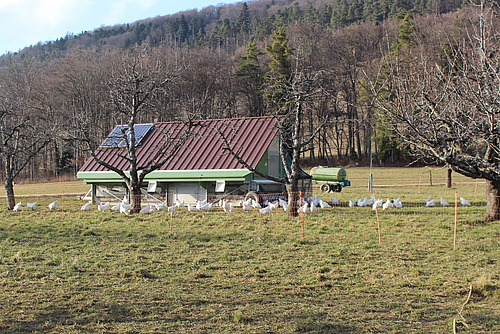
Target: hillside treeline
229,27
218,64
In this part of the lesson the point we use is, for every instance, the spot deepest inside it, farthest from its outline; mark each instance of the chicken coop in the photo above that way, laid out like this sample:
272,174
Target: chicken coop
201,169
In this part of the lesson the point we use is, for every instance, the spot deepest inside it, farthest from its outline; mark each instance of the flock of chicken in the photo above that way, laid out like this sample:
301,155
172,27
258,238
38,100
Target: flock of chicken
305,206
32,206
396,203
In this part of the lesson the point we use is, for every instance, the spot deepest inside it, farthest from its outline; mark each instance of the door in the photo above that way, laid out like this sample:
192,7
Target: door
190,193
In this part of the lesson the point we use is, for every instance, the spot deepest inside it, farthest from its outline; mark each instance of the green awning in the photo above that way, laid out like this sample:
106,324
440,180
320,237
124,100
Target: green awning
229,175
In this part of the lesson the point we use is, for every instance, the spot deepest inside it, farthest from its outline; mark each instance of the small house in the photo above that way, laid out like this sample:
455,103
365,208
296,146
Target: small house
201,169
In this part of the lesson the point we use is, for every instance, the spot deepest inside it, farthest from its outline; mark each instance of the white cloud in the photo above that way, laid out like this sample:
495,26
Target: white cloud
26,22
7,3
52,13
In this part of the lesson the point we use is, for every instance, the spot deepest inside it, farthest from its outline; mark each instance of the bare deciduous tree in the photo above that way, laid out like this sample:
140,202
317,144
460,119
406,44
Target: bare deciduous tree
24,125
448,111
301,90
136,79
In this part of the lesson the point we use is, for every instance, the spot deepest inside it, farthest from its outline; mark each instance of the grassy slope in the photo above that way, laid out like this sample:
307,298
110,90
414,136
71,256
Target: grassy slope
75,272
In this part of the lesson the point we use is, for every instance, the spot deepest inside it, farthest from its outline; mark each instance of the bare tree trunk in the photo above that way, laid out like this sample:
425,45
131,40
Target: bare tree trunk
293,196
9,190
135,198
492,201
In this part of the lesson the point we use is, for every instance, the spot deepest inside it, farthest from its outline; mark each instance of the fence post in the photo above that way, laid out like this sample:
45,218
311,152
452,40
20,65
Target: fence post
62,197
456,218
301,217
171,218
378,224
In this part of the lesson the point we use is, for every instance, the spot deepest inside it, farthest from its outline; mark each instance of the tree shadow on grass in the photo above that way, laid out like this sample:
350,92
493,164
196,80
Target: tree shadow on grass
323,328
57,317
109,316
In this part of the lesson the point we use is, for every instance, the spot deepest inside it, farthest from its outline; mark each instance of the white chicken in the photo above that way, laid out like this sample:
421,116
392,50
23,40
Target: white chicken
377,204
430,202
103,207
303,209
53,205
160,206
116,207
371,201
147,209
324,205
387,205
464,202
316,200
125,208
443,202
397,203
224,205
86,206
246,206
17,207
256,204
362,202
206,206
274,206
285,207
313,207
265,211
31,206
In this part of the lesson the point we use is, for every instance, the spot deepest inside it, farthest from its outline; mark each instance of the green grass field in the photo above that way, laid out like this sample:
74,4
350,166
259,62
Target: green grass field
90,272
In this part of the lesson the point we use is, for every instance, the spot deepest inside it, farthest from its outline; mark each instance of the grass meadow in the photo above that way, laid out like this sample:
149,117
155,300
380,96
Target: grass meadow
68,271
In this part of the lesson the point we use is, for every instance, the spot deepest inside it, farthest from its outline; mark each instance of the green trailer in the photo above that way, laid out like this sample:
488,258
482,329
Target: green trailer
330,179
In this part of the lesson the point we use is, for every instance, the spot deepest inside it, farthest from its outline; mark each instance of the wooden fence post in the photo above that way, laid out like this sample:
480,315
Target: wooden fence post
301,217
456,218
378,224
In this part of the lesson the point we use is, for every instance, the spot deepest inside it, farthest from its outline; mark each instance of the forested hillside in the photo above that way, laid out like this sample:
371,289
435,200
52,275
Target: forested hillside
231,26
219,63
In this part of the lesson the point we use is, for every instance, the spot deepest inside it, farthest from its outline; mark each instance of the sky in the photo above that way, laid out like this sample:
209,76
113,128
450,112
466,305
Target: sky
27,22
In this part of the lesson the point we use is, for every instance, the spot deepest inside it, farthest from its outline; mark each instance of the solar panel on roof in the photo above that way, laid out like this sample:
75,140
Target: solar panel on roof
115,138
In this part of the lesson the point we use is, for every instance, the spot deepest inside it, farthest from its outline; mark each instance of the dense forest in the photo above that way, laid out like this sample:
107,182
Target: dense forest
229,27
219,63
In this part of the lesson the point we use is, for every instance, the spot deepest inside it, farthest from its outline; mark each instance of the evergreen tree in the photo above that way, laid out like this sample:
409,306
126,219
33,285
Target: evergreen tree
400,8
326,15
280,53
295,13
340,12
183,29
311,14
244,22
405,37
280,68
389,145
372,11
355,11
251,79
422,6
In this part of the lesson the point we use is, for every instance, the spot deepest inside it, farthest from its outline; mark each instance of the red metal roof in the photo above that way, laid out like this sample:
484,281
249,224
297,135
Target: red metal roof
250,137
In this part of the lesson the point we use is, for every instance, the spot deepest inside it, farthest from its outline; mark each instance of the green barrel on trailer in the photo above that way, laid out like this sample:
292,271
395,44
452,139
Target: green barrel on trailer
330,179
328,174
